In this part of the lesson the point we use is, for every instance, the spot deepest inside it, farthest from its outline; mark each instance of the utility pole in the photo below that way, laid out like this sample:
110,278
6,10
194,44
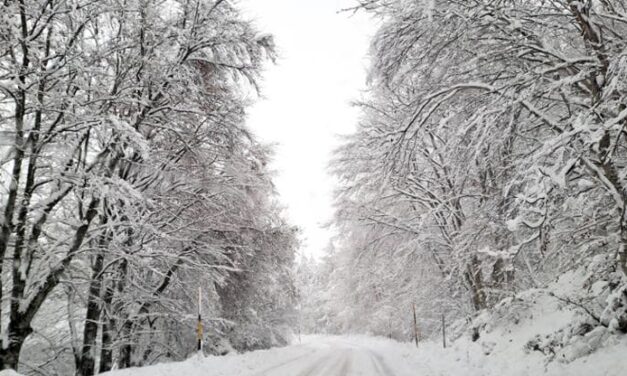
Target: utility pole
443,331
199,328
415,325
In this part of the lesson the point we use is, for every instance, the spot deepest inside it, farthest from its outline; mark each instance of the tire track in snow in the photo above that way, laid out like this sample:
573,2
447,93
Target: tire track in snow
337,365
380,366
312,370
274,367
345,365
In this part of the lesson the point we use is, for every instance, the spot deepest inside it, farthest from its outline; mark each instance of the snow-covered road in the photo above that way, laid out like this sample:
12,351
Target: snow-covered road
331,357
315,356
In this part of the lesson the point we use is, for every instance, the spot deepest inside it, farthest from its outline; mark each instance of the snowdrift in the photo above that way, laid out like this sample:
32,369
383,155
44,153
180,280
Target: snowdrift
574,326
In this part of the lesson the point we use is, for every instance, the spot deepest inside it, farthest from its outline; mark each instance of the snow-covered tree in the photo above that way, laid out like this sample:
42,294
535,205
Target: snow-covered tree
490,149
129,178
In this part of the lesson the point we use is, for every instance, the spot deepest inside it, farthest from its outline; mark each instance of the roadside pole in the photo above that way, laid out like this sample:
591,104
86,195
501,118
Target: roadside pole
199,328
415,324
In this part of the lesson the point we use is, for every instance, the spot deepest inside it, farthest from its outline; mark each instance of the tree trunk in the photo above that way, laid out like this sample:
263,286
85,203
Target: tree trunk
622,248
106,352
10,355
126,350
20,318
622,257
88,361
475,283
108,325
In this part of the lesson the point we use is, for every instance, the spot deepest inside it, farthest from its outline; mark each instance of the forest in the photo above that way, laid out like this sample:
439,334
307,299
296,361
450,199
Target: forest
128,180
490,160
483,189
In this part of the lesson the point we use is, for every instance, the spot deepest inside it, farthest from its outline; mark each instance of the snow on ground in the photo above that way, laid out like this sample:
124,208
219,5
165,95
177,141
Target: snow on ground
368,356
316,355
537,332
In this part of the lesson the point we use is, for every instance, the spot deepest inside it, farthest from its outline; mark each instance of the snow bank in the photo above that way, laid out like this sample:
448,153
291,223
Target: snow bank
494,356
558,330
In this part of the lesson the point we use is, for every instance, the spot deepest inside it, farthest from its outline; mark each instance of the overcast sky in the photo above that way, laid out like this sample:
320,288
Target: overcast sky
322,67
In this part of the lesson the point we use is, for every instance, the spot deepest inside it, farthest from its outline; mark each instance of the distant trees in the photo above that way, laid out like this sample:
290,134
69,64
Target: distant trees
315,296
127,174
489,157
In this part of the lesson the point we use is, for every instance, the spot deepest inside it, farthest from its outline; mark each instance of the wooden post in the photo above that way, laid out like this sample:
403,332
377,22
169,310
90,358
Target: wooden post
199,328
415,325
443,331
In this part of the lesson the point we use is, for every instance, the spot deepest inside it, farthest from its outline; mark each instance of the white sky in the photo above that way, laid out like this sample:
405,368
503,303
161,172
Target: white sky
322,67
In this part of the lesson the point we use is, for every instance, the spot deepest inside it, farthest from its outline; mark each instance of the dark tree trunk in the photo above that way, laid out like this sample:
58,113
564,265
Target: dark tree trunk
106,352
86,366
126,350
10,355
108,325
19,327
622,247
